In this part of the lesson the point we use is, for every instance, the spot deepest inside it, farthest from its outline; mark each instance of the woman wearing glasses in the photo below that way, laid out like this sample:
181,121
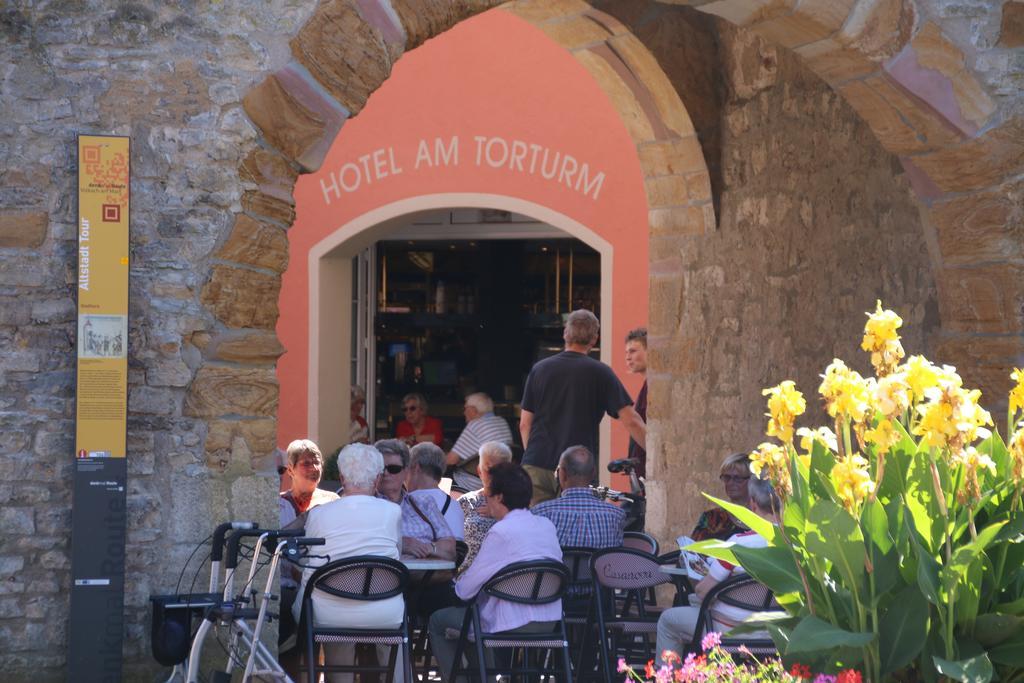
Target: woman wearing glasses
418,427
716,522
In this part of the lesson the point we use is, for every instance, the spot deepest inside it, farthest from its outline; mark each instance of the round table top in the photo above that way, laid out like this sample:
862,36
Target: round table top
681,571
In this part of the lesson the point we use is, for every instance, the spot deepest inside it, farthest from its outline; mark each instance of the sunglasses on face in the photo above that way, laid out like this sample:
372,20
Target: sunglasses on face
730,478
410,409
394,469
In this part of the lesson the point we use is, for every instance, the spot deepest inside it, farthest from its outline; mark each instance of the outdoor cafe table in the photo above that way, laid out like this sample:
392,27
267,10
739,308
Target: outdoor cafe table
414,564
684,581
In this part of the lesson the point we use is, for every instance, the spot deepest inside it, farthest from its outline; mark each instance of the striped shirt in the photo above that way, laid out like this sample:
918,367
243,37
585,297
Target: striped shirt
582,520
487,427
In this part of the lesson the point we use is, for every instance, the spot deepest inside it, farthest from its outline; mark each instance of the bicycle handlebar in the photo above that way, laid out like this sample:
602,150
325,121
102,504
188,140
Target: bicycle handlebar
217,552
272,535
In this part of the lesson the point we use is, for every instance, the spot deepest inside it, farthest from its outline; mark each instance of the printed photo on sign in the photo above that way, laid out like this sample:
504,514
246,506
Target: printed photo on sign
102,336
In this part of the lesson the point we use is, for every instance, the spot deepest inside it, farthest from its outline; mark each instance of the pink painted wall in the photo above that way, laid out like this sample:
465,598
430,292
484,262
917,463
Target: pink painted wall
495,76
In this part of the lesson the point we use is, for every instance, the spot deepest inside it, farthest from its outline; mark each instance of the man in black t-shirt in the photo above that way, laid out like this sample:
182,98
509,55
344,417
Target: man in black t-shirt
565,398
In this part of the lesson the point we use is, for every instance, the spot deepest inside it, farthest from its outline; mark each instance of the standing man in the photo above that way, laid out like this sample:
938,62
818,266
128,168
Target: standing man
565,398
636,361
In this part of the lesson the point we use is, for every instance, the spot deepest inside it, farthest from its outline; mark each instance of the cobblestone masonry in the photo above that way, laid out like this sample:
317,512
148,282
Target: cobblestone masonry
227,102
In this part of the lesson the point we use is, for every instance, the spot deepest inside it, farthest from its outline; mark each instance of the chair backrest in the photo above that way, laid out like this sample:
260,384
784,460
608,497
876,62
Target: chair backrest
365,577
744,592
577,561
534,582
626,569
638,540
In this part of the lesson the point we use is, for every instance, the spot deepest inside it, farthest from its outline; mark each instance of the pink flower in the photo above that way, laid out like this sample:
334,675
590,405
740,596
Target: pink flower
824,678
664,674
623,667
711,641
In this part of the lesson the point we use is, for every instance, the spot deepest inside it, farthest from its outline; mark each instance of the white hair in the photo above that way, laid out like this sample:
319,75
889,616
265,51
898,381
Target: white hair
360,464
481,401
494,452
357,393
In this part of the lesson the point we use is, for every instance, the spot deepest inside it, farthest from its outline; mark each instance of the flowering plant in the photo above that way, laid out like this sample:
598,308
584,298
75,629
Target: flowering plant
901,543
716,665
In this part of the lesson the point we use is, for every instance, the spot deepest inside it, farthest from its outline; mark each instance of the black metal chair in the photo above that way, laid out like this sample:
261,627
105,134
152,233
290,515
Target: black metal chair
745,593
364,578
536,582
638,540
630,573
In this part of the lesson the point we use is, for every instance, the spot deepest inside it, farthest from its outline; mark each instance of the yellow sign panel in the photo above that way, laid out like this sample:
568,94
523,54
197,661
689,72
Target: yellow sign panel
103,196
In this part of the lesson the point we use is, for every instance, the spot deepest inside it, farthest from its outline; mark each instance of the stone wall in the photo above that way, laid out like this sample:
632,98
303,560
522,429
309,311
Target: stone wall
172,76
816,222
804,195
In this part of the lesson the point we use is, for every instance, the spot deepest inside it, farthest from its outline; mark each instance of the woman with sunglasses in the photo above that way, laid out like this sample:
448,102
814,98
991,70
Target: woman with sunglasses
418,427
425,533
716,522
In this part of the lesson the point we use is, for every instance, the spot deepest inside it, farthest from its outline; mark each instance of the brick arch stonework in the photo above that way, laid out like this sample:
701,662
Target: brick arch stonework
913,85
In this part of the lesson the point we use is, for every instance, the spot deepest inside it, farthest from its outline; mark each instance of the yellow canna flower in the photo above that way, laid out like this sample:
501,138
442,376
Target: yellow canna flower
852,481
892,394
846,393
882,340
773,460
920,375
972,461
1016,448
785,403
823,435
1017,393
952,417
884,436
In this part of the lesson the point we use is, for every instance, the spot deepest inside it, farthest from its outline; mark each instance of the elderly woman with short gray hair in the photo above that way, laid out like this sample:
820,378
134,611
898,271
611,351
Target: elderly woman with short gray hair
358,523
305,465
476,525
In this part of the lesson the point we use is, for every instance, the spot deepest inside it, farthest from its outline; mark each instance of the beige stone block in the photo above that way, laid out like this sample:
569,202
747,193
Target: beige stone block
271,172
240,297
220,391
985,363
699,186
538,11
978,163
878,29
811,21
269,207
23,229
666,302
835,63
677,220
252,347
256,244
668,190
747,12
260,435
424,19
675,356
987,299
900,123
344,53
648,71
985,226
622,98
935,52
575,31
1011,28
290,126
667,157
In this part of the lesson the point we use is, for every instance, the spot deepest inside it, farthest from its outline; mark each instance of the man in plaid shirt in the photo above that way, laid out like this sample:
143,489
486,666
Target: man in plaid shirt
580,519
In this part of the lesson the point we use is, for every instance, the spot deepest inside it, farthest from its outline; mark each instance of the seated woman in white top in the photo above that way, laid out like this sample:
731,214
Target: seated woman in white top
677,624
357,524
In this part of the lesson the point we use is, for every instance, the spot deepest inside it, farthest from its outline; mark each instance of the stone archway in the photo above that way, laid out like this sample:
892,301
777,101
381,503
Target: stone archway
340,56
909,81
